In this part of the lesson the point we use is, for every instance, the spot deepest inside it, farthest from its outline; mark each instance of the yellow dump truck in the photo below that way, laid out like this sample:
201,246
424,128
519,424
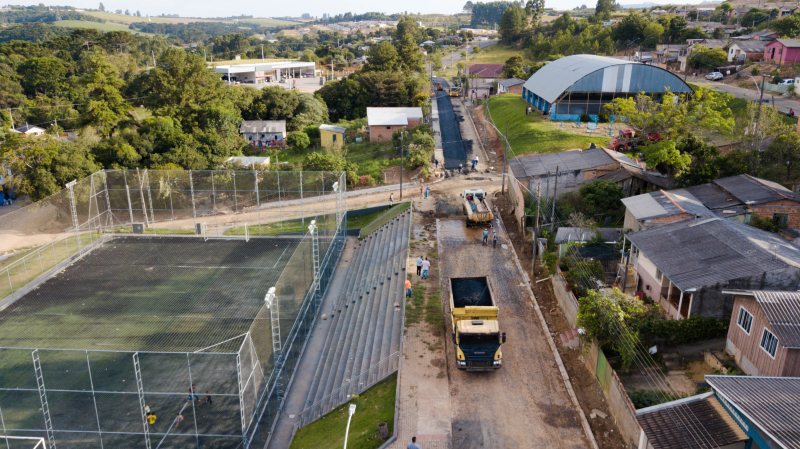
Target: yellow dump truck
454,91
477,208
439,86
476,329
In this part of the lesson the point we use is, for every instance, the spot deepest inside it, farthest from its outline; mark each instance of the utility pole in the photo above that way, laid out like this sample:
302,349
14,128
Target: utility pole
505,159
262,52
536,230
555,195
485,114
153,54
686,69
760,101
402,154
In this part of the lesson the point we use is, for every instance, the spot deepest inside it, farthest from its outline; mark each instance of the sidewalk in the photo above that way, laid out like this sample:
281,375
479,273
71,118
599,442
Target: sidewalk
781,103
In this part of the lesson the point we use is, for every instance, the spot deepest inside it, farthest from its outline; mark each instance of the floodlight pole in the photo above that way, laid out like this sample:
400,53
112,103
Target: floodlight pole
350,412
73,209
312,228
274,317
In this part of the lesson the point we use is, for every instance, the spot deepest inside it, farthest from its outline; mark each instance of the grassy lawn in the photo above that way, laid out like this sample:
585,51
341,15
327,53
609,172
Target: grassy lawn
392,213
122,18
142,113
534,133
493,54
374,406
108,26
269,22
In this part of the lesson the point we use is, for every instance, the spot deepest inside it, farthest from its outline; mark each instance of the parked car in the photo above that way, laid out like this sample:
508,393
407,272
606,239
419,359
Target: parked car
714,76
787,82
628,139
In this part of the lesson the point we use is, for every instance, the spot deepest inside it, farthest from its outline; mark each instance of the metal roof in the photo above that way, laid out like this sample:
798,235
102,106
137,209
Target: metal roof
783,312
263,126
590,73
791,43
694,254
511,82
751,45
527,166
752,190
336,129
392,116
769,403
665,203
571,234
675,425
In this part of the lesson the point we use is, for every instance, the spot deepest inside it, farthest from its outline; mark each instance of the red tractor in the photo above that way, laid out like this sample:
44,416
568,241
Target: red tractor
628,140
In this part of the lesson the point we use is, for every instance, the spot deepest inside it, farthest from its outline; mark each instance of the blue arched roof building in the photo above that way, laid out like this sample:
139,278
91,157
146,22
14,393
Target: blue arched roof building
578,84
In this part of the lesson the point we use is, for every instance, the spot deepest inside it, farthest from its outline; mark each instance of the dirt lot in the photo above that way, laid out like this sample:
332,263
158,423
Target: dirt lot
525,403
584,383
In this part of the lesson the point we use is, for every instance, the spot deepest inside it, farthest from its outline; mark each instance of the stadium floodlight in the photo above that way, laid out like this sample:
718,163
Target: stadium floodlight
351,412
270,298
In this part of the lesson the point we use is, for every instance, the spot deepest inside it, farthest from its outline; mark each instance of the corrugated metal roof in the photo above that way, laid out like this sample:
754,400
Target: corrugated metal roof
693,254
263,126
590,73
527,166
752,190
571,234
690,423
511,82
783,312
791,43
336,129
770,403
752,45
644,207
392,116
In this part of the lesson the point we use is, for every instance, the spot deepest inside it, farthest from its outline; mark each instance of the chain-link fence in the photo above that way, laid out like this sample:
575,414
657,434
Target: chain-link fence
130,306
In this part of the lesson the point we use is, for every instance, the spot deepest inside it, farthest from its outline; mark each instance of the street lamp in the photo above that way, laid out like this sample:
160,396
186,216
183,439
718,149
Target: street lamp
629,46
351,412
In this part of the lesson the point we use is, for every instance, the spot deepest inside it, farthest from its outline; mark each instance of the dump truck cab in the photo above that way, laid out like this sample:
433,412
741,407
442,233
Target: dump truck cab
454,91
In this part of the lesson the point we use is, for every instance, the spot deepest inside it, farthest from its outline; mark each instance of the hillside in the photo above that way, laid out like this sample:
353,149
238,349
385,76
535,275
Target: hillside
126,20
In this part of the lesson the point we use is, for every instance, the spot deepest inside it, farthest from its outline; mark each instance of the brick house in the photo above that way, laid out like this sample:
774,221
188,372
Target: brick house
764,334
687,266
510,86
576,168
383,122
782,51
735,198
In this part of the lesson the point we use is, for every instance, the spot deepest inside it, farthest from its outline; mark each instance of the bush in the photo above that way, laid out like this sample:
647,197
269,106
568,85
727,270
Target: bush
647,398
681,332
550,260
312,131
585,118
298,140
755,71
604,116
365,180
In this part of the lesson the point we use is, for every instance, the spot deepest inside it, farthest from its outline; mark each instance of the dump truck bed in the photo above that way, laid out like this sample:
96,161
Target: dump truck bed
470,292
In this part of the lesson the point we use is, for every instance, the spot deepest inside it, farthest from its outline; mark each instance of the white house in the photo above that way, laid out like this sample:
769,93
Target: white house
263,130
29,130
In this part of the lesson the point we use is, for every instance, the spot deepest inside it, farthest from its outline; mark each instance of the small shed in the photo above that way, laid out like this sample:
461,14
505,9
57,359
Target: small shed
249,161
331,136
510,85
29,130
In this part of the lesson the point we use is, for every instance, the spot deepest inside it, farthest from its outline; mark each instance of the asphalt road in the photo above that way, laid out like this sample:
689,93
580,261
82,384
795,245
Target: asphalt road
452,146
783,104
452,58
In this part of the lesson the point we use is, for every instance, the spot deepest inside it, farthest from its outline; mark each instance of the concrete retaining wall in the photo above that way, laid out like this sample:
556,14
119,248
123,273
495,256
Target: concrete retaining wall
566,299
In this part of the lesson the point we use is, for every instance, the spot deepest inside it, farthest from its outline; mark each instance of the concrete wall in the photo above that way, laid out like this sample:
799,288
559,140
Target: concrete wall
617,398
566,299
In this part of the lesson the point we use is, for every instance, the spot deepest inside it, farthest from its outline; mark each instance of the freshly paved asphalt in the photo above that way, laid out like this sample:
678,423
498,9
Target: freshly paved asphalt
452,145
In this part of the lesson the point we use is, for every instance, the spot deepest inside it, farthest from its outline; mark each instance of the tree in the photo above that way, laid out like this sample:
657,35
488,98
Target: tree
752,133
382,58
407,26
298,140
44,165
605,315
512,24
468,7
339,62
725,8
138,14
718,33
309,56
306,16
102,8
409,56
652,34
704,165
513,68
106,105
127,13
604,6
631,27
785,151
677,26
42,75
534,9
602,197
182,87
274,103
788,26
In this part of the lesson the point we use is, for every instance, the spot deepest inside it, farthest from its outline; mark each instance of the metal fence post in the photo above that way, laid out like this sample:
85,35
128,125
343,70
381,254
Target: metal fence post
258,201
94,399
194,209
302,213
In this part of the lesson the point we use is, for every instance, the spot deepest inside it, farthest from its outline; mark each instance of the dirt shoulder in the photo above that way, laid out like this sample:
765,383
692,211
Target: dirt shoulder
585,385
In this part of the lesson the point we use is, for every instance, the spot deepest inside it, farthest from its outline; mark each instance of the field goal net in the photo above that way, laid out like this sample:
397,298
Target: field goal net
225,231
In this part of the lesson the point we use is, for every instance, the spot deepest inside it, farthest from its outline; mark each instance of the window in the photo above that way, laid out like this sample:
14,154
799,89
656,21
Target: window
780,220
745,320
659,274
769,342
388,127
334,137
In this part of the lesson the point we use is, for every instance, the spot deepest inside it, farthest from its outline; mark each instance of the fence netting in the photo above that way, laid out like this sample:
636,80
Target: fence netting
115,303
